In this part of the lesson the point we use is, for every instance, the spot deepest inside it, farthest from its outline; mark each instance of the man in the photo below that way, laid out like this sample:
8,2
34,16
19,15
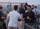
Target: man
13,17
29,17
2,18
21,9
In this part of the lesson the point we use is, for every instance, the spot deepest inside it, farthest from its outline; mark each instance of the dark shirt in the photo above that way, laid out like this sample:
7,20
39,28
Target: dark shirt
31,16
1,13
21,11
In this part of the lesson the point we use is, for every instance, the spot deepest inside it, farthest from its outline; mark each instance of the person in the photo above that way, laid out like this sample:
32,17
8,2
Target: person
2,18
26,4
21,9
13,17
34,9
29,17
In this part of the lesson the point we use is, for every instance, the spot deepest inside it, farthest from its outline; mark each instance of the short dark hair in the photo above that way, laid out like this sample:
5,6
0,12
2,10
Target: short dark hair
26,3
15,7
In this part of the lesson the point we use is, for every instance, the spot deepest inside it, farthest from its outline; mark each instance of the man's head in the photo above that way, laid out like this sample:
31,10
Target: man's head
26,4
15,7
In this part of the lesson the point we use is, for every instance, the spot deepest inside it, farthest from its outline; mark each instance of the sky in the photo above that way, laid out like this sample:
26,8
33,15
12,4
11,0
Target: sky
4,0
23,1
33,1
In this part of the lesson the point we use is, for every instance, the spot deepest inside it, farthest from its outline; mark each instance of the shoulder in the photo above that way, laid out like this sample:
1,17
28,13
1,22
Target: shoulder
9,13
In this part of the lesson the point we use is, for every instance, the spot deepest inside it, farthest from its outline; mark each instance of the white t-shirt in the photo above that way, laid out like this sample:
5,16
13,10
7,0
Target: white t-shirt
13,19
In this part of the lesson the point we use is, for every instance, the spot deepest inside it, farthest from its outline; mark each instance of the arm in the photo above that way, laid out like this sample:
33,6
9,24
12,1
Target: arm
21,23
7,20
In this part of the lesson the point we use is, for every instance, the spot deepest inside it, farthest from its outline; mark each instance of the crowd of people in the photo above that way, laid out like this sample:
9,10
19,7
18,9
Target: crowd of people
18,19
